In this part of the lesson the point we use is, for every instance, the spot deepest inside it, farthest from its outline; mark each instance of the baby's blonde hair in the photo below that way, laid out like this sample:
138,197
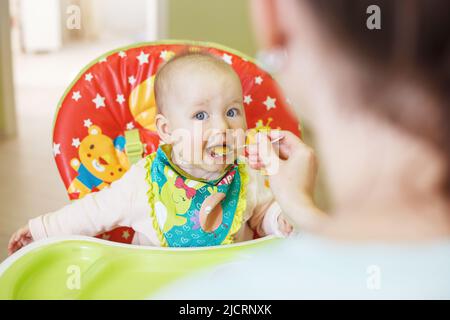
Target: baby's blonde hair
202,61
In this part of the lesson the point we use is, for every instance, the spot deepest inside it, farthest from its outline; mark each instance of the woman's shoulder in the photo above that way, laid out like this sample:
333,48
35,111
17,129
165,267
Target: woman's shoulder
309,267
330,269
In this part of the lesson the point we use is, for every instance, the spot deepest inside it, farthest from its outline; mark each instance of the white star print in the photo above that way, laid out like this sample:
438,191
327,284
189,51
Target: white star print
248,99
122,54
56,150
87,123
125,235
120,99
76,142
88,77
143,58
270,103
76,95
165,55
131,80
227,58
130,126
99,101
75,162
258,80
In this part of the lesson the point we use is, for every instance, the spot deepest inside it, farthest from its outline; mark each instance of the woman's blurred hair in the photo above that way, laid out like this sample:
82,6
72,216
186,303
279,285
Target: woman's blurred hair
413,41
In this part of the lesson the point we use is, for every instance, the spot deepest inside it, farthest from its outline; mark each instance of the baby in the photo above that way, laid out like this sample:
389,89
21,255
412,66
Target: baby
194,190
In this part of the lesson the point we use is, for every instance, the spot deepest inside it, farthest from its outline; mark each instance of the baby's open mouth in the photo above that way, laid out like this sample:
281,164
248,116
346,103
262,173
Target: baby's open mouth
218,151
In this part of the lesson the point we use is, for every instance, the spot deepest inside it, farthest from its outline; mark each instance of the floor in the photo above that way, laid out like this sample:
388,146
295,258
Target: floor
30,183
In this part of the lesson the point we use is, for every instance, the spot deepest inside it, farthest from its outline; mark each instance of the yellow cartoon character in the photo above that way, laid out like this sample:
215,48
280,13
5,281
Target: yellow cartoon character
98,163
142,99
251,139
175,200
260,127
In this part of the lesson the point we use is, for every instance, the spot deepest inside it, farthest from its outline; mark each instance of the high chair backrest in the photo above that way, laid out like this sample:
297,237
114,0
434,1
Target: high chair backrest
106,118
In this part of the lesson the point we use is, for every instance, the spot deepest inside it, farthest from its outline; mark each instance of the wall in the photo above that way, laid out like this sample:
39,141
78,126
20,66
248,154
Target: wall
116,18
7,114
106,19
225,22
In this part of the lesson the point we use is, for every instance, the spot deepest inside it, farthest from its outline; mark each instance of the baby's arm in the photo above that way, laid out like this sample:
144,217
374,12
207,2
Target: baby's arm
267,217
19,239
95,213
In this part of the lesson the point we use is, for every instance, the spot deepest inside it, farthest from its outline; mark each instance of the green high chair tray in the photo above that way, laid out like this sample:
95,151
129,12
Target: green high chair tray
89,268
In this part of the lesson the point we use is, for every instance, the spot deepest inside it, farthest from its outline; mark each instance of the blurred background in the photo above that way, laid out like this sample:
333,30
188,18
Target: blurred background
43,46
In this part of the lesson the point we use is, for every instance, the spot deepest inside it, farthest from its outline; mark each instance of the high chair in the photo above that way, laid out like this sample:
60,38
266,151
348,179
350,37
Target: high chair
105,120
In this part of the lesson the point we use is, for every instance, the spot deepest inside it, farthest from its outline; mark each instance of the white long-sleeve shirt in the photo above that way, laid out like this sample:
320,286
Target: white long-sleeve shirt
125,203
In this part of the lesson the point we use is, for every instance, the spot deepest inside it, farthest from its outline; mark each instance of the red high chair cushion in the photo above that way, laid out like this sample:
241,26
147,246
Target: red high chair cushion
114,94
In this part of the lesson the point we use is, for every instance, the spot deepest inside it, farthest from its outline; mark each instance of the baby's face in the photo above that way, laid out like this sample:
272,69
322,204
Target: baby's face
204,111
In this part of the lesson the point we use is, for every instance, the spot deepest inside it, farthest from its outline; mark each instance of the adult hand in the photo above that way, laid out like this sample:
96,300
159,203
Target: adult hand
292,169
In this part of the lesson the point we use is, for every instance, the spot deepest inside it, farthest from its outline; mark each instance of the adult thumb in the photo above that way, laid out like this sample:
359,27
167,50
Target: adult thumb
267,154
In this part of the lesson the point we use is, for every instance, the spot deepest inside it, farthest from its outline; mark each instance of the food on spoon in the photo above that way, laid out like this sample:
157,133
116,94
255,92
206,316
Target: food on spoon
220,150
251,136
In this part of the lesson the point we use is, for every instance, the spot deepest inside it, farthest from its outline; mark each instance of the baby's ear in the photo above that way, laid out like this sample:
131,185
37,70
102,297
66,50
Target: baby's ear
163,128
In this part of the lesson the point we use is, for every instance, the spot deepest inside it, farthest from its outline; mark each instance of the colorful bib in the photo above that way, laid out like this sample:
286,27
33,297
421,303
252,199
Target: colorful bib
194,213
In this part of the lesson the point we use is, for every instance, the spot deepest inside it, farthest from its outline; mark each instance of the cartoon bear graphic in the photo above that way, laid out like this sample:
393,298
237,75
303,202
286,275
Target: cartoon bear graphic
101,161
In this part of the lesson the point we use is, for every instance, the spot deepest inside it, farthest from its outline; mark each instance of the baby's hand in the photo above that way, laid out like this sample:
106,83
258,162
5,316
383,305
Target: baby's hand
284,226
19,239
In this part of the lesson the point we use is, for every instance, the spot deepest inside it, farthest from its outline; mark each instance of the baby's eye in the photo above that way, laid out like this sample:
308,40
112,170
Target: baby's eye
201,115
233,112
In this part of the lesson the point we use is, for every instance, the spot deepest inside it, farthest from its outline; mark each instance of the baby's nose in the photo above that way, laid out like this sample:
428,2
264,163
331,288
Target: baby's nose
216,138
220,125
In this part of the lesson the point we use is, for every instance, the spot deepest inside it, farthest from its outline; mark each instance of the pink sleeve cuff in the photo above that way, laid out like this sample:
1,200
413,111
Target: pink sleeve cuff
37,228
